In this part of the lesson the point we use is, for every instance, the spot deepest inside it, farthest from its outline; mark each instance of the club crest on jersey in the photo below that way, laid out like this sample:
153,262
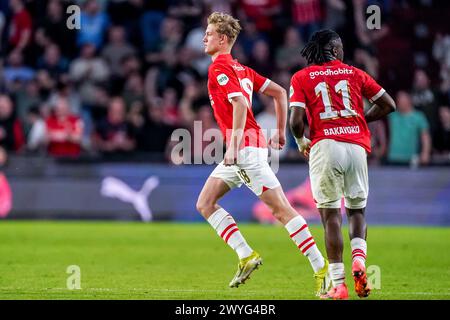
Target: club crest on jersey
291,91
222,79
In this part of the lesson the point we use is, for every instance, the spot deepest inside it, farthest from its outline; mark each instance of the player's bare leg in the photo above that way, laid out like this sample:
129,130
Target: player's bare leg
332,221
213,190
225,226
358,234
298,230
357,227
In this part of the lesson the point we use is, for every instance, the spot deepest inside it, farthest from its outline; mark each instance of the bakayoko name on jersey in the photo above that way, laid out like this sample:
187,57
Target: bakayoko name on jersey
341,130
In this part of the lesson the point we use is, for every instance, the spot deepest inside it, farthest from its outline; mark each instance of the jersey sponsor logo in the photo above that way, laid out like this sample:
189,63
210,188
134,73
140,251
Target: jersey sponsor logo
291,91
341,130
222,79
238,67
329,72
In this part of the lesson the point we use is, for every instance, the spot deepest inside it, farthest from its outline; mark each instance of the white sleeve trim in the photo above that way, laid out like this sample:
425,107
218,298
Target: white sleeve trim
235,94
264,86
379,94
297,104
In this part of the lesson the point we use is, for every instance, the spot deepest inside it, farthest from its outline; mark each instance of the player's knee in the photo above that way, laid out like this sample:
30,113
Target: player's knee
200,205
281,211
205,206
357,213
333,222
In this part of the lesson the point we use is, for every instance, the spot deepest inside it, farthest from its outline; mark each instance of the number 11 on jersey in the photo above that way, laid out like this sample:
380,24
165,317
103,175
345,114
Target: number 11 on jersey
342,88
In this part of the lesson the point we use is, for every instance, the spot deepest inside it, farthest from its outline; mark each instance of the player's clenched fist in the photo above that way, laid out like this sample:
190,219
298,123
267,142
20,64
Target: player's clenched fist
304,145
277,141
230,157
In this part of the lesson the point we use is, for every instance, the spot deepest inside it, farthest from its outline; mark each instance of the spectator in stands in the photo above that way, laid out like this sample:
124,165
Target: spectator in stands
171,37
239,54
129,64
364,60
20,28
441,52
307,16
53,26
188,11
99,109
175,72
287,56
184,71
249,36
46,84
263,13
11,133
88,71
64,131
378,140
334,14
169,105
219,6
94,23
116,49
441,139
16,71
65,90
26,97
53,62
187,113
134,90
151,21
114,135
153,133
424,98
37,134
128,14
261,60
194,43
410,139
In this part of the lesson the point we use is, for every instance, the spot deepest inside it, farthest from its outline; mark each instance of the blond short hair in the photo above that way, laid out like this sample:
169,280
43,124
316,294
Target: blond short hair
225,24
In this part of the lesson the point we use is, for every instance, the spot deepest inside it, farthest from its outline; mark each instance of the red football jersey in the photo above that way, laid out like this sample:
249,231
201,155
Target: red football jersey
332,94
227,78
57,130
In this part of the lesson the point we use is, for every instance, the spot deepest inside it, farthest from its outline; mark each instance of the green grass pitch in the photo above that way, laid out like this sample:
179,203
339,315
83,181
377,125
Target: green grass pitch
189,261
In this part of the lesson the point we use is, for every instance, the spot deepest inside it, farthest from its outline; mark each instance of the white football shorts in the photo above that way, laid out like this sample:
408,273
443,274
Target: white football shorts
338,169
252,169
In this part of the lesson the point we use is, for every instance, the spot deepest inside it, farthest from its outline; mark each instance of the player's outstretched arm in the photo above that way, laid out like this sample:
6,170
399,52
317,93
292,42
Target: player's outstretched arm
280,101
382,107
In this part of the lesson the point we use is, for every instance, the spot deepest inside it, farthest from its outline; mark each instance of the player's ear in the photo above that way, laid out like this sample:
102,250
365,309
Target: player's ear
335,51
223,39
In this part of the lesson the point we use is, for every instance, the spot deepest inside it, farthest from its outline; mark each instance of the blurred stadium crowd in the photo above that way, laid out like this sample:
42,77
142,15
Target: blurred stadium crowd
116,88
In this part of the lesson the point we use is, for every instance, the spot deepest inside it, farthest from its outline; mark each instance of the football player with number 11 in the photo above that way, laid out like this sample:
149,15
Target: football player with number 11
331,93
